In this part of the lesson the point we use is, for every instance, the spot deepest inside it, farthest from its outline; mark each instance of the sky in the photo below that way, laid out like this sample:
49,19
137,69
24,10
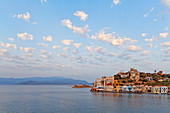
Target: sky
83,39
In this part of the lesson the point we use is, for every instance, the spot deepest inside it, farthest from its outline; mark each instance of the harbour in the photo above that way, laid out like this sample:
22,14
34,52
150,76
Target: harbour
64,99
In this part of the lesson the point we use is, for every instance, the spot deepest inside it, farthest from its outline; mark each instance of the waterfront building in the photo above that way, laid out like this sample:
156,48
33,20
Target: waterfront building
155,89
107,80
98,83
106,83
133,88
138,88
133,81
109,87
144,88
117,88
129,88
125,88
164,89
147,89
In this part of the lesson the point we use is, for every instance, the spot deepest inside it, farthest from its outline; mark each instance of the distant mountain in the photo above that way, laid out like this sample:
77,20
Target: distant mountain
41,81
29,83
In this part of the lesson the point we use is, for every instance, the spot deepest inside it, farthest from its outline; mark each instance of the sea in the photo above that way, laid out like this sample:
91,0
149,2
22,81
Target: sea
64,99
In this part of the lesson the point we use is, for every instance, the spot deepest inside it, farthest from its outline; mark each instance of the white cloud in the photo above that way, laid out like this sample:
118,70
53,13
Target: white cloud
116,2
166,44
155,38
3,51
149,39
64,55
112,38
25,36
81,30
77,45
45,52
144,53
119,41
112,54
25,16
45,56
64,66
155,20
75,52
152,39
8,45
166,28
27,49
42,1
144,34
56,47
125,56
146,14
15,59
89,48
66,42
83,16
163,35
67,23
101,59
42,44
166,52
11,39
66,49
34,23
103,36
99,49
26,55
48,38
153,8
81,58
133,48
149,45
78,30
166,2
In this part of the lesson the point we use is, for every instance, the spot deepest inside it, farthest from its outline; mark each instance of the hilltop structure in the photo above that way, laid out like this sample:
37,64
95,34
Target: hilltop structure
134,81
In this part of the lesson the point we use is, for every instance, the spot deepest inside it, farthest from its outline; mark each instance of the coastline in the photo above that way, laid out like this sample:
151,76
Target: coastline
129,92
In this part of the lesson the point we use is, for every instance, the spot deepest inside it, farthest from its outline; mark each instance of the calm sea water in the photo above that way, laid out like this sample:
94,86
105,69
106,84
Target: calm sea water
64,99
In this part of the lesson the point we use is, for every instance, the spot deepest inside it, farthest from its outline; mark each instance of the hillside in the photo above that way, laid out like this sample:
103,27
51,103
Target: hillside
134,77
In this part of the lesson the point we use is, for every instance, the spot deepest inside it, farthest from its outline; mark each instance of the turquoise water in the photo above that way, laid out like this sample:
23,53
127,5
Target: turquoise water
64,99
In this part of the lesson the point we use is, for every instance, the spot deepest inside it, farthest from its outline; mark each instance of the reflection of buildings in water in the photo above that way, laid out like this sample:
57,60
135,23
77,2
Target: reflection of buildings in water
104,94
129,95
161,97
133,99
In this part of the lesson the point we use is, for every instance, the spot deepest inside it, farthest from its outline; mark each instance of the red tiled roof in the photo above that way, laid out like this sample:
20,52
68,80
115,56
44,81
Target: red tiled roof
109,84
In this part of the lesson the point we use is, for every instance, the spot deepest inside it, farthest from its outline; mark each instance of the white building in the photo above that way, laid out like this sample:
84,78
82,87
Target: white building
125,88
164,89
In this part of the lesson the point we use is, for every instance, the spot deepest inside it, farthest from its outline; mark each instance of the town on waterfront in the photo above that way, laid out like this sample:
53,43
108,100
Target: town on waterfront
134,81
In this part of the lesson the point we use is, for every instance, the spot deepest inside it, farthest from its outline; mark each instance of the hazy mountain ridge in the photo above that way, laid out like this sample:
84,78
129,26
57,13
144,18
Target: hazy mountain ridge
41,81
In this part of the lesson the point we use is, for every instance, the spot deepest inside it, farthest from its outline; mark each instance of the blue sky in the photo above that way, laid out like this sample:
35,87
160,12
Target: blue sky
83,39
